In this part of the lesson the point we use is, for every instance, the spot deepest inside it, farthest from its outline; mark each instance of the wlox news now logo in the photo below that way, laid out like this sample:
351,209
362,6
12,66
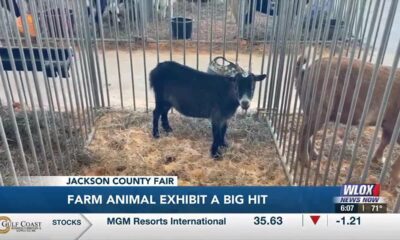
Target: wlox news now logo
360,193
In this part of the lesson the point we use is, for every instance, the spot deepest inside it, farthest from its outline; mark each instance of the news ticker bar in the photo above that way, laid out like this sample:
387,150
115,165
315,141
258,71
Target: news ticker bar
199,226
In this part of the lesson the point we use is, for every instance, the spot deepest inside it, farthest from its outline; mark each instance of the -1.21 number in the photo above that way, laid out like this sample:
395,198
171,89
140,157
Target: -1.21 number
351,221
268,220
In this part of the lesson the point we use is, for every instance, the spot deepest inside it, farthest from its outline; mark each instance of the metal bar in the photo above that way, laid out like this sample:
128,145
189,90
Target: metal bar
9,27
144,58
6,147
263,55
297,99
101,30
198,33
365,28
211,29
65,23
40,39
116,36
23,106
157,37
39,96
63,92
23,87
326,77
136,4
355,97
251,34
377,30
84,99
382,110
9,87
393,140
238,32
87,57
341,17
17,135
184,32
36,24
53,125
246,23
170,31
225,21
287,69
302,95
83,66
306,88
384,51
53,33
397,204
292,74
352,55
271,79
90,58
130,52
208,20
60,33
341,103
261,7
285,14
361,126
96,52
348,35
305,9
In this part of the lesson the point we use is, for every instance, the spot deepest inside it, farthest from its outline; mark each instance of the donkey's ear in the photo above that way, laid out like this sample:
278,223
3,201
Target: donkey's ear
260,77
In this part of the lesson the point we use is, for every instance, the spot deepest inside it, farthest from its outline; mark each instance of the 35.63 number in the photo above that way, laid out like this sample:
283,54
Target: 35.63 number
262,220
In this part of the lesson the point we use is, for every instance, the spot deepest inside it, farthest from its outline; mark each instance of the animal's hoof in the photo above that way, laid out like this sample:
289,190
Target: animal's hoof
306,164
215,153
314,156
168,129
225,144
156,135
216,156
375,160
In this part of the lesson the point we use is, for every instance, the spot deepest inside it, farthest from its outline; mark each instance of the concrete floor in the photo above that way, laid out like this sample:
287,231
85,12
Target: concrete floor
151,62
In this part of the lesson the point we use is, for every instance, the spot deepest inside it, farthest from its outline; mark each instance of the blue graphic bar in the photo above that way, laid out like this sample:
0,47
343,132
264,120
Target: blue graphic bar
168,200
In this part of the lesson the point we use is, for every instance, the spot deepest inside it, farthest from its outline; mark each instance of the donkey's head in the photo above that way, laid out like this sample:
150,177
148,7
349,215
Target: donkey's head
244,86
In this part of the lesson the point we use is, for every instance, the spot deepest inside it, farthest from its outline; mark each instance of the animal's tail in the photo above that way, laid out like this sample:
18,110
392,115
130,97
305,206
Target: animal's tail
154,75
152,78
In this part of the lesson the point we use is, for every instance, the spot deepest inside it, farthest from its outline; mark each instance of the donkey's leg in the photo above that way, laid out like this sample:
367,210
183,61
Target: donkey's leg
303,149
395,174
224,143
386,136
311,150
164,117
156,116
216,130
